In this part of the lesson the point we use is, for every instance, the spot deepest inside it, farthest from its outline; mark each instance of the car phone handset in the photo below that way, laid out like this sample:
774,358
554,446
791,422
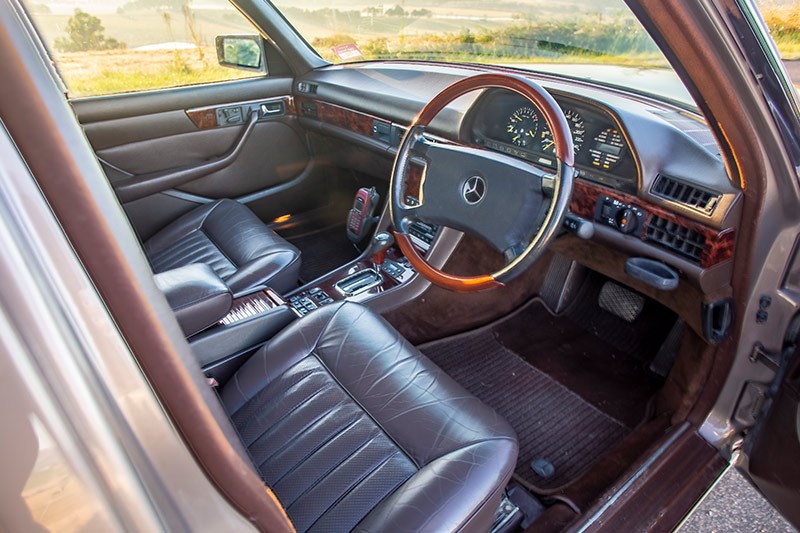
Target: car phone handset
361,219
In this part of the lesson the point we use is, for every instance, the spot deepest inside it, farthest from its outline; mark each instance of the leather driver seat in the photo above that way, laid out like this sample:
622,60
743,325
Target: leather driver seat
233,241
353,428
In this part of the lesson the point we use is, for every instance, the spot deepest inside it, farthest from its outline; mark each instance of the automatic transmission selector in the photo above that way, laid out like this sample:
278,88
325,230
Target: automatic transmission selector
364,280
378,246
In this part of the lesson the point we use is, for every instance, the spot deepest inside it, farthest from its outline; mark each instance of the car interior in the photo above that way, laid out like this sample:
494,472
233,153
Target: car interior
431,296
598,344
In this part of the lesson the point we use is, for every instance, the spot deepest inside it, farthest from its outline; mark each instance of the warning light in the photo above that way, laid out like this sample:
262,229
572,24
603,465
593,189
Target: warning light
282,218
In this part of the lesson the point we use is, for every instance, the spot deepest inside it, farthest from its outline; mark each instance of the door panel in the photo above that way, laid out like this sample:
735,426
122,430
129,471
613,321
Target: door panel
145,136
273,154
773,449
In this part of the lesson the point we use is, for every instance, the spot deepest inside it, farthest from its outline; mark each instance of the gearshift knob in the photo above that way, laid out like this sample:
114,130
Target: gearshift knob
378,246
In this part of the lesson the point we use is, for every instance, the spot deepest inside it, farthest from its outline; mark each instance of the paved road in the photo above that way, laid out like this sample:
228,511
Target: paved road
733,506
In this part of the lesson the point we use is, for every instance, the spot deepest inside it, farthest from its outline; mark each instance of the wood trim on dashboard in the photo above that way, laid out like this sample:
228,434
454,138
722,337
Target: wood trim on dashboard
719,245
342,117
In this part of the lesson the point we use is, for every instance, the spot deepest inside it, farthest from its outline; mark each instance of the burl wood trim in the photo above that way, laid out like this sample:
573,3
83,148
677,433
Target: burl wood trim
206,117
203,118
719,244
440,278
348,119
328,283
413,180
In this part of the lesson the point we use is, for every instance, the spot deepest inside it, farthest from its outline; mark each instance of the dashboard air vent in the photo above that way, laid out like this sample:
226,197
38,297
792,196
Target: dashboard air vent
688,195
672,236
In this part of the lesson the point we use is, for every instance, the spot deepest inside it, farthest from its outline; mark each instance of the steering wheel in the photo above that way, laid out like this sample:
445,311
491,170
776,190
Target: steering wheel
514,206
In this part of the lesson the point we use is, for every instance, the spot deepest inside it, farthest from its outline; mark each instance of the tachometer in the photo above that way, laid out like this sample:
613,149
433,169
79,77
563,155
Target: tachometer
608,148
576,125
522,126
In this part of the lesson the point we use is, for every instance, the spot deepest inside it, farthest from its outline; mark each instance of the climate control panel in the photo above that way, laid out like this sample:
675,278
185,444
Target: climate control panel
623,217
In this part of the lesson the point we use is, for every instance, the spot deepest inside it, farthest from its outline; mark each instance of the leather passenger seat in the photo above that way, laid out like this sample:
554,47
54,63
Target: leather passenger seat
229,238
354,429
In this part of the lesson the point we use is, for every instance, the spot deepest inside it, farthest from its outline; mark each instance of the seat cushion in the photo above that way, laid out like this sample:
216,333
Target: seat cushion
232,240
353,428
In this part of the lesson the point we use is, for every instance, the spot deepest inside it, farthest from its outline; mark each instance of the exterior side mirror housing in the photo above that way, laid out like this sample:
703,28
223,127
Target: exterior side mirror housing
244,52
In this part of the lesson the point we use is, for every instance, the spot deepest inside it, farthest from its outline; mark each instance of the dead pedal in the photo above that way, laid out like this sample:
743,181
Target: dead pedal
620,302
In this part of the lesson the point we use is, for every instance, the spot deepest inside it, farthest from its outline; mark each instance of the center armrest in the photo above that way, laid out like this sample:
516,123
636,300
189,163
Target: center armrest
197,295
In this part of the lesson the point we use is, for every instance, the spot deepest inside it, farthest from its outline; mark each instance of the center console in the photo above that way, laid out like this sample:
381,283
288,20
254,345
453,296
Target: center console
224,329
253,319
381,268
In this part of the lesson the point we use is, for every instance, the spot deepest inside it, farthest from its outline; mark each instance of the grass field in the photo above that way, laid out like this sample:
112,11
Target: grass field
117,71
525,31
783,21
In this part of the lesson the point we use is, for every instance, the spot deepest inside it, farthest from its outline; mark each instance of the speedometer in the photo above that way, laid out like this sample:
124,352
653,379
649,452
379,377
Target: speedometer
522,126
576,126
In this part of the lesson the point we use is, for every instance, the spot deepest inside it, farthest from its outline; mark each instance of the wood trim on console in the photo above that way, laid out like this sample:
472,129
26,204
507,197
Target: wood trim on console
719,245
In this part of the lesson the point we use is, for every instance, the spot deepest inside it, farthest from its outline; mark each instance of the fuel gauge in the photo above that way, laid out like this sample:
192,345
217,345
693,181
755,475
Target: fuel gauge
608,148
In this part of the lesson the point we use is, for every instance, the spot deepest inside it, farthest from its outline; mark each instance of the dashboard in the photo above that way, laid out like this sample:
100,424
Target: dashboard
506,122
650,178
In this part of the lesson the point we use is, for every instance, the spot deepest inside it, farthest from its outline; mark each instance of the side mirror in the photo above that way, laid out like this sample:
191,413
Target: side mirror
245,52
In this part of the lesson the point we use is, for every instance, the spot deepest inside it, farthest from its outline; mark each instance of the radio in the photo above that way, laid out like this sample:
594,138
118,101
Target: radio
361,218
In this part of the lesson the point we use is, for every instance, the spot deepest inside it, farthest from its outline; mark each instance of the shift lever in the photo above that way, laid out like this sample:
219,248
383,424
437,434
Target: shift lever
377,248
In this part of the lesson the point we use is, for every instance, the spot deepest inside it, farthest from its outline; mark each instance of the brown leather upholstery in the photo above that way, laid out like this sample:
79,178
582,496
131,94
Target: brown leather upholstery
197,295
353,428
229,238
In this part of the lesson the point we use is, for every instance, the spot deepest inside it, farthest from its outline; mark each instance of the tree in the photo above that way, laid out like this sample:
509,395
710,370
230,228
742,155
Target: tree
85,32
396,11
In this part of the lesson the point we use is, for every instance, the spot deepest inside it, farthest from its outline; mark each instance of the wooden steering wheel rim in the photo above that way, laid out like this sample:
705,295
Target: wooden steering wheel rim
562,138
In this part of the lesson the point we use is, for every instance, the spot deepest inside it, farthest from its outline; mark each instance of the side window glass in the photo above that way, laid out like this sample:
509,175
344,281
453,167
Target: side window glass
138,45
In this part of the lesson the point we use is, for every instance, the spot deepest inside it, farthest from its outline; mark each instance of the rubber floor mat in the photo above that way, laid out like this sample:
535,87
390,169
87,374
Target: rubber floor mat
553,424
323,252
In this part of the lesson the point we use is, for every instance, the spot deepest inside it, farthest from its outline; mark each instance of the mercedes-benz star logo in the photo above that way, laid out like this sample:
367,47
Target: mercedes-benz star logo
473,190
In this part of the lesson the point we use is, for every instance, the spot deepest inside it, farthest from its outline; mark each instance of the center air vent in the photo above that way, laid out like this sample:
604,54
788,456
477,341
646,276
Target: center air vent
688,195
680,239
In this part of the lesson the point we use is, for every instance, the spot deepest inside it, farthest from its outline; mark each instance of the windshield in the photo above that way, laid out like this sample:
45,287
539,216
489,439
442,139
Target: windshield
599,40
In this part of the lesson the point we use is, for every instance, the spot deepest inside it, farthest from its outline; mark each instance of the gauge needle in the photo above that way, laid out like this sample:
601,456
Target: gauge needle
551,143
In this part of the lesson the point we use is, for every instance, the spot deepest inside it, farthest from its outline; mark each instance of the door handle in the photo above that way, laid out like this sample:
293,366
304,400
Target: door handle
141,185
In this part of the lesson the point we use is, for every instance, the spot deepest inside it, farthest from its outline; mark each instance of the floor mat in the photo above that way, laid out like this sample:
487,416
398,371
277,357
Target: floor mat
323,252
553,423
586,359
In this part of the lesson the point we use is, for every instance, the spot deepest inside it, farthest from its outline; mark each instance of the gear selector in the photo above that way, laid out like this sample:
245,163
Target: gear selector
366,279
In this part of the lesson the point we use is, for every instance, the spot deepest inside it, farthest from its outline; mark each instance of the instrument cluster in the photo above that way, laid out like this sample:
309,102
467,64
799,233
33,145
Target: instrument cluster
506,122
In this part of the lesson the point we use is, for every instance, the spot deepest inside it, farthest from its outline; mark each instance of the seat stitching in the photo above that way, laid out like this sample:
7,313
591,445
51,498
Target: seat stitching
374,420
307,375
330,470
219,248
324,330
296,433
321,445
355,485
213,207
